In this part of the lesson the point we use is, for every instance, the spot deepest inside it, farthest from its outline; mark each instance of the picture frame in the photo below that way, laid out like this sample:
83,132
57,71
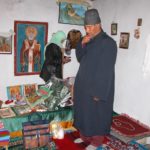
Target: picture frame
124,40
70,13
114,28
29,41
5,44
139,22
22,109
30,89
137,33
6,112
15,92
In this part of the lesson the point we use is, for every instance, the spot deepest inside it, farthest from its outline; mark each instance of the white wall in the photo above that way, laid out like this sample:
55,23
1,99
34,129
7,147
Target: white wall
132,95
29,10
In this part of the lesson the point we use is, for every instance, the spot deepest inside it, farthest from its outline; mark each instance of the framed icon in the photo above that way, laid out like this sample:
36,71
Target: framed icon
114,29
124,40
30,39
5,44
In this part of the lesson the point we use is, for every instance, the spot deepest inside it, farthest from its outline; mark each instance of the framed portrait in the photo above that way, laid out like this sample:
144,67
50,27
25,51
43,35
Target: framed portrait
15,92
30,39
124,40
5,44
114,29
30,89
71,13
6,112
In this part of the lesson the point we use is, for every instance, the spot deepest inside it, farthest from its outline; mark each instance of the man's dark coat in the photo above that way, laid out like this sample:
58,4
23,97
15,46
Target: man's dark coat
94,85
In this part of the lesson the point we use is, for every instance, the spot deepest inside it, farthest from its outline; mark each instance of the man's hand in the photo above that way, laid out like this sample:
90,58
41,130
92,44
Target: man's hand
86,39
66,59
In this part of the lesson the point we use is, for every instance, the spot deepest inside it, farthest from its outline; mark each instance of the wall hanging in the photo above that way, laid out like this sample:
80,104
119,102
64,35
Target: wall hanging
114,29
124,40
6,42
30,39
71,13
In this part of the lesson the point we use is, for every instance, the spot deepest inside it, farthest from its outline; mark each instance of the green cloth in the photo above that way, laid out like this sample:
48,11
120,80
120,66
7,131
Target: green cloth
15,123
57,38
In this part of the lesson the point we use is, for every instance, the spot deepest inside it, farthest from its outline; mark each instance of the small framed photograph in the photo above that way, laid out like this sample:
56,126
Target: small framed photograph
139,22
114,29
137,33
124,40
6,112
5,44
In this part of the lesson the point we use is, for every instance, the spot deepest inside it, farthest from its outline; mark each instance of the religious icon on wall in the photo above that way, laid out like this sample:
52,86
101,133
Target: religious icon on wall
71,13
30,39
124,40
114,29
139,22
5,44
137,33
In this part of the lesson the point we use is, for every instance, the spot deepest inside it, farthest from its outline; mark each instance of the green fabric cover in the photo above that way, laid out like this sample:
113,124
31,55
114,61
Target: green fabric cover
15,123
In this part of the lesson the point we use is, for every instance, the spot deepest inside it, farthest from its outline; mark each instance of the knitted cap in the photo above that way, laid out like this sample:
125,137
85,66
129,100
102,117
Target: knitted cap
92,17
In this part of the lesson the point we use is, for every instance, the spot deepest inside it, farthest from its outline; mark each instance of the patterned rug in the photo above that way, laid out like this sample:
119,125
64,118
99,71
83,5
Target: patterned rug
112,143
109,143
127,126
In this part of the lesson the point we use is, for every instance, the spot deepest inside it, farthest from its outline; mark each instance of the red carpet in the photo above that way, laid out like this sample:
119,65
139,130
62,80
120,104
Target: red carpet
127,126
68,144
109,143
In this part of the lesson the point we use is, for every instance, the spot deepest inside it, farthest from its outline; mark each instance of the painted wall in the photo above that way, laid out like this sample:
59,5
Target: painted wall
27,10
132,92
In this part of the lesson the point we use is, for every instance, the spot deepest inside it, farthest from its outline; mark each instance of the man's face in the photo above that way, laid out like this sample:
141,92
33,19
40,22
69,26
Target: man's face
31,32
92,30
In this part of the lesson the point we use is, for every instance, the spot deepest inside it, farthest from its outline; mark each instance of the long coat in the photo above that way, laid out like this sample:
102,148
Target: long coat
95,78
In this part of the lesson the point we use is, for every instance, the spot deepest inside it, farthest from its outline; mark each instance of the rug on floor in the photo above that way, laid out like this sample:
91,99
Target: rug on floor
127,126
110,143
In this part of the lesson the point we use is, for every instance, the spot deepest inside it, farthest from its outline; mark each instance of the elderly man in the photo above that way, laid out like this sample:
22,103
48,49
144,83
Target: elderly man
94,83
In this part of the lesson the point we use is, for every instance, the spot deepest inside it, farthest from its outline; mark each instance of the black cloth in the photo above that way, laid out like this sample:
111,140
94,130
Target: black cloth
95,78
53,63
